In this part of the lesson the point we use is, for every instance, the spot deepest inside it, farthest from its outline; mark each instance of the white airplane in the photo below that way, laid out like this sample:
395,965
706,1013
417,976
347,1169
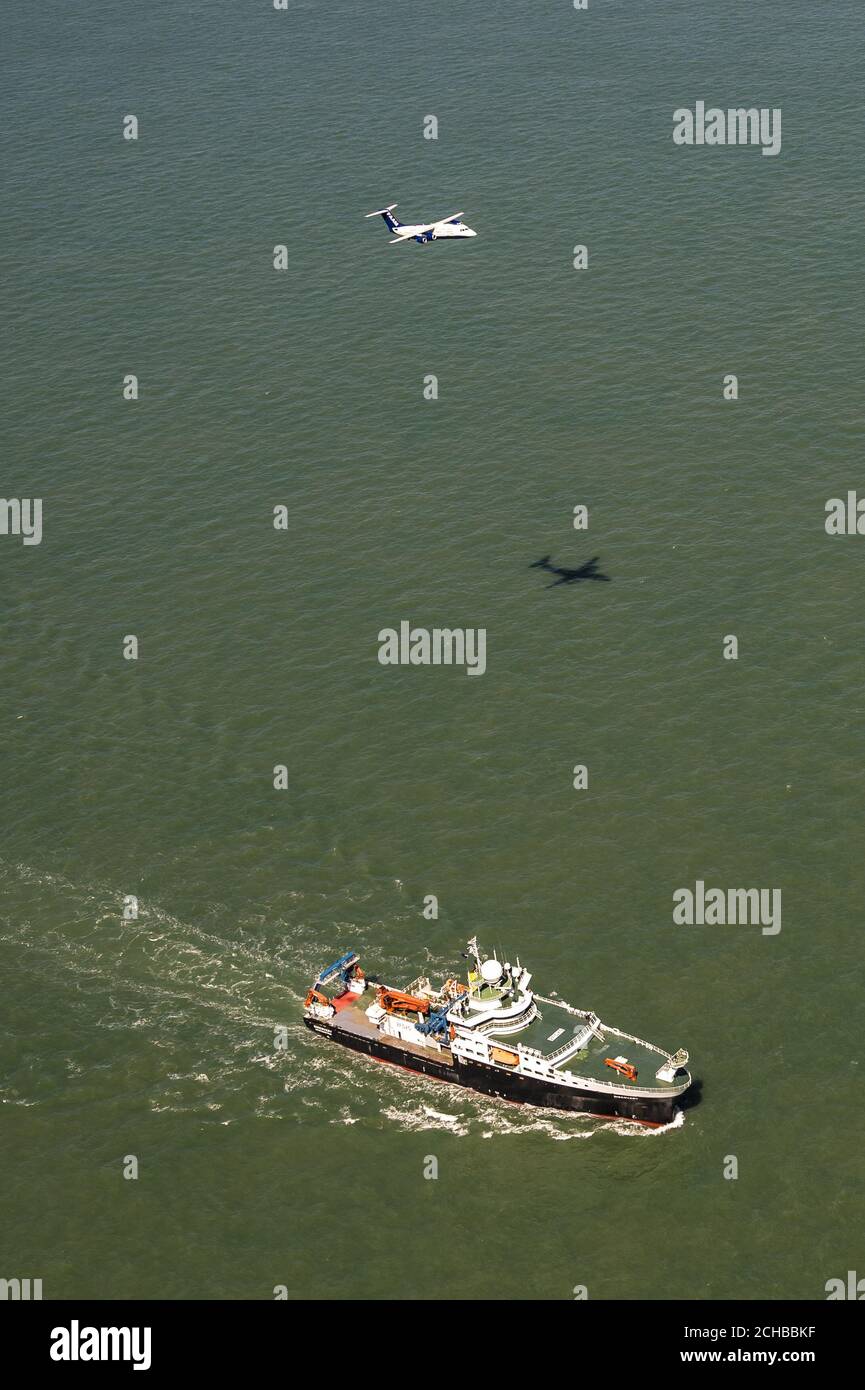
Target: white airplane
422,231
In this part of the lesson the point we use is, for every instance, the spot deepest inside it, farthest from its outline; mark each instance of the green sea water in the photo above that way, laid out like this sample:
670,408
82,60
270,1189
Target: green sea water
303,388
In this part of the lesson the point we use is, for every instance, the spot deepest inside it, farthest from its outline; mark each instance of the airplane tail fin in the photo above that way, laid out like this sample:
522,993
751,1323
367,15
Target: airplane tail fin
391,222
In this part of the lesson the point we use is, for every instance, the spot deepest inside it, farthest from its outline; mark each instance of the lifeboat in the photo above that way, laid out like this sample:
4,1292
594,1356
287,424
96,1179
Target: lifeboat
504,1056
622,1067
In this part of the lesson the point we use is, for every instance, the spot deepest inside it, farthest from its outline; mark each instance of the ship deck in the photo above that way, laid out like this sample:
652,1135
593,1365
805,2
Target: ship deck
550,1031
555,1026
350,1017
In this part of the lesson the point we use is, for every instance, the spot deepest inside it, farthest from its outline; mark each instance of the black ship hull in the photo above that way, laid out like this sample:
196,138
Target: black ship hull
494,1081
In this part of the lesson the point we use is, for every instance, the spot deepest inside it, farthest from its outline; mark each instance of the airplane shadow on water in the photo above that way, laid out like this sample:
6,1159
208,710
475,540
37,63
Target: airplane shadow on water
567,576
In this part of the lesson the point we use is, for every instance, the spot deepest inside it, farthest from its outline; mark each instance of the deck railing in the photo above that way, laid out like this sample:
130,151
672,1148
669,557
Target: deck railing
507,1025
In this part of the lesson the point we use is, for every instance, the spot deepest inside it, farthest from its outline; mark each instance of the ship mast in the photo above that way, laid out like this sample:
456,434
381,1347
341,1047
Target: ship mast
472,946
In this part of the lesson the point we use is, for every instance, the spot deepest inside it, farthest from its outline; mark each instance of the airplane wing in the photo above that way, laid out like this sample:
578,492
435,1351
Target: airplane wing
422,227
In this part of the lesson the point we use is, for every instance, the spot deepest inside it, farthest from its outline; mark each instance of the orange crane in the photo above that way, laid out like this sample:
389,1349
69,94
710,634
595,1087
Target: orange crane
396,1002
316,996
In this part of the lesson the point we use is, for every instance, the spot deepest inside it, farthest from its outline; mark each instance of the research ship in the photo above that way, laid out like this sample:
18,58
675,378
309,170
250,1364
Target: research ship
494,1034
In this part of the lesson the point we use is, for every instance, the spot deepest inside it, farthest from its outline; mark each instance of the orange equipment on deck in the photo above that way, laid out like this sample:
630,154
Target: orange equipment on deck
315,996
395,1002
624,1068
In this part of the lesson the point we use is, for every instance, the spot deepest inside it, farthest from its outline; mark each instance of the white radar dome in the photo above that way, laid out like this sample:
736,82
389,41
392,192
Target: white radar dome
491,972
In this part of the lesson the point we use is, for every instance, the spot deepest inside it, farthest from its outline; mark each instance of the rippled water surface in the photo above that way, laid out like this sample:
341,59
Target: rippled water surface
155,1037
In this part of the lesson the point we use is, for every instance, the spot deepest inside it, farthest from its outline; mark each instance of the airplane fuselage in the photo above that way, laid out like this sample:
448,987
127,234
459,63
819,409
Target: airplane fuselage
444,229
422,231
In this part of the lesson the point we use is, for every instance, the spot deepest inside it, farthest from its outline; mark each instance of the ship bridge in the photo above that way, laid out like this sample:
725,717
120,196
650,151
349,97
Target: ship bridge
498,999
